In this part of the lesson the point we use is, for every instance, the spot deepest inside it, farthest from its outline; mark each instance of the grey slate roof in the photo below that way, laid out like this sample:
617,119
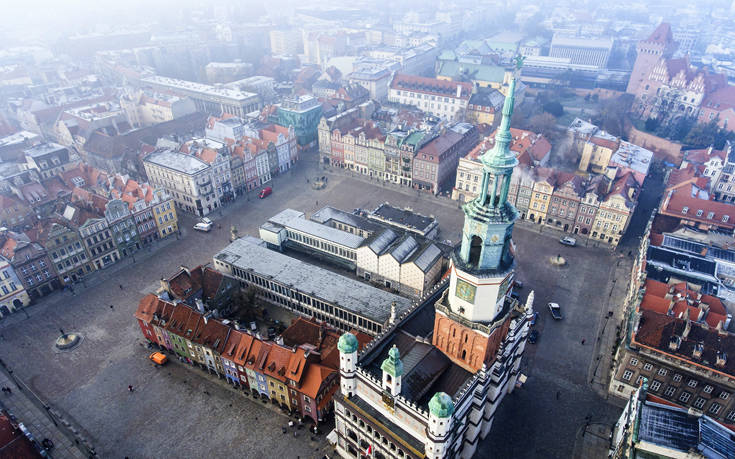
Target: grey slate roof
382,241
331,287
294,219
394,215
180,162
427,257
405,249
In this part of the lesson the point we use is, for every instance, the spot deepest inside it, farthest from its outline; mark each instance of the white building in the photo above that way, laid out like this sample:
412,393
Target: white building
442,98
585,51
186,178
215,100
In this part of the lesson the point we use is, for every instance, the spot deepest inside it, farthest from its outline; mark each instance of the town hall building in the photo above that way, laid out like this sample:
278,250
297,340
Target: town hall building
431,381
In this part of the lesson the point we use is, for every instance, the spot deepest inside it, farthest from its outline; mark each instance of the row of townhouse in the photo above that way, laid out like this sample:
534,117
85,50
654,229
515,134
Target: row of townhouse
595,207
85,232
297,373
422,159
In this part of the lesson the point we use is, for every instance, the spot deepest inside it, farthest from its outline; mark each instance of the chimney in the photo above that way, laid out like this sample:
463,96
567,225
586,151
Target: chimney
721,359
687,329
674,343
459,91
200,305
392,313
697,351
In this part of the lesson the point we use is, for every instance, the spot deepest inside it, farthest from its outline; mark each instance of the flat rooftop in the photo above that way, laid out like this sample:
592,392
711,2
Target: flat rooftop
330,287
43,149
177,161
290,218
18,137
173,83
403,217
632,156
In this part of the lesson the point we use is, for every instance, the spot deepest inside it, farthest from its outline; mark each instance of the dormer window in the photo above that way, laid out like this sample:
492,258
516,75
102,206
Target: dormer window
725,218
699,212
684,210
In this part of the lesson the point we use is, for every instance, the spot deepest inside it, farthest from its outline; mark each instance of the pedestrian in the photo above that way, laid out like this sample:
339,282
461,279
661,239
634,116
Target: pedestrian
112,307
130,388
121,287
317,203
557,395
583,341
8,390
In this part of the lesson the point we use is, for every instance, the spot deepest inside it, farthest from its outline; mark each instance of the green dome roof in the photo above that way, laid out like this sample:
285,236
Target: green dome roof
393,365
441,405
347,343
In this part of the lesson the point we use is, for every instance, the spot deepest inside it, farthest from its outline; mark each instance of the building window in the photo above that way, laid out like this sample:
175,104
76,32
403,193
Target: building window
662,371
647,367
699,403
708,389
655,386
627,375
677,377
634,362
731,416
724,395
670,391
684,210
684,397
692,383
715,408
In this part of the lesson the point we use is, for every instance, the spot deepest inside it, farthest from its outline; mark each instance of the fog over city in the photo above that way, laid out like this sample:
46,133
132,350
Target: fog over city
387,229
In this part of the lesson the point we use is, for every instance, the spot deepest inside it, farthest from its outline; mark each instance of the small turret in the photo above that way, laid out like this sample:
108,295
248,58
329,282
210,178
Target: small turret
347,346
392,371
441,408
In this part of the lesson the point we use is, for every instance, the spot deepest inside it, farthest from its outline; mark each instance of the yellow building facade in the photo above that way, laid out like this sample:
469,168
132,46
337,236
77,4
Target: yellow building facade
166,218
540,199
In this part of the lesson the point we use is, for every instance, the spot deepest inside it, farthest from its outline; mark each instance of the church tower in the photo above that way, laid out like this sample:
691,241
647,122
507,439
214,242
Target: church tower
482,269
660,44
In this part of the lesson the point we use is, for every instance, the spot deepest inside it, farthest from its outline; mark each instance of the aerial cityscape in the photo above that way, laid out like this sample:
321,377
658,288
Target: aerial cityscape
449,229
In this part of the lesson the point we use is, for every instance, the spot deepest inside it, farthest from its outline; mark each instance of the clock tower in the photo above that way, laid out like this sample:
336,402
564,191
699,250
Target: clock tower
482,268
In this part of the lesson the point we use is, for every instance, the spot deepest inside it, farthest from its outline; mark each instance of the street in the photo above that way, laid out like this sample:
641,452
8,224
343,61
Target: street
180,412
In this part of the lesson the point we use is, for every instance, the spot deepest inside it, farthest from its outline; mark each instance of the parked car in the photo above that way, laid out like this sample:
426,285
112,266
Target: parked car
158,358
555,311
533,336
201,226
534,318
570,241
517,283
206,220
271,332
265,192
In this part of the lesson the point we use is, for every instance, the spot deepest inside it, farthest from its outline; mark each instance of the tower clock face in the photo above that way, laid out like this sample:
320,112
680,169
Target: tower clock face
465,291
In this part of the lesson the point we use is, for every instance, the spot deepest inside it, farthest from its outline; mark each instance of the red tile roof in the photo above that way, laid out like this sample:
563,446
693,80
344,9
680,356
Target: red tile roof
678,300
662,35
678,199
721,99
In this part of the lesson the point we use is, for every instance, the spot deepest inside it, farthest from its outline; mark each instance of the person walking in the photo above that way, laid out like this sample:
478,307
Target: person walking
583,341
130,388
121,287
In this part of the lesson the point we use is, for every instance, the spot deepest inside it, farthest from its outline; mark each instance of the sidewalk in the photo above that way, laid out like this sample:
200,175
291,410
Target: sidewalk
93,279
41,423
610,326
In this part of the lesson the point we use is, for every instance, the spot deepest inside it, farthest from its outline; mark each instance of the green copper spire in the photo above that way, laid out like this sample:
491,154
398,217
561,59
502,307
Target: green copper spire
393,365
500,156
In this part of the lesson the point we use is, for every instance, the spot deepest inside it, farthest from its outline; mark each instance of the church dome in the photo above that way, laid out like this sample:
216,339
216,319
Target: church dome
347,343
441,405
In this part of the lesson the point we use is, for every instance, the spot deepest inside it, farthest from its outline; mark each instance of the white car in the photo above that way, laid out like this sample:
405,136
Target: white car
555,310
201,226
206,220
570,241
